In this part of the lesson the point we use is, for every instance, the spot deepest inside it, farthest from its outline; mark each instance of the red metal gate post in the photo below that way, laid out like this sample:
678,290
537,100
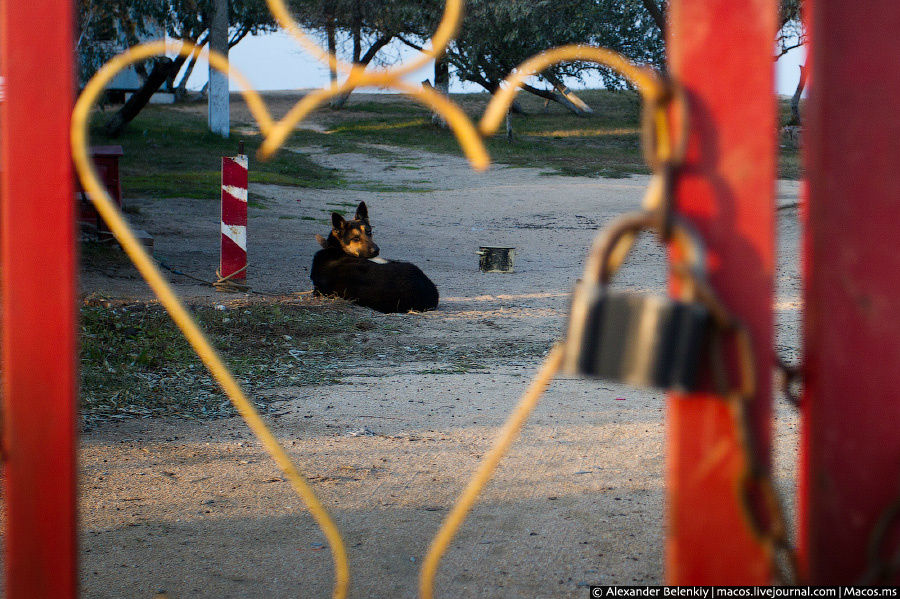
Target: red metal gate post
721,52
851,440
38,299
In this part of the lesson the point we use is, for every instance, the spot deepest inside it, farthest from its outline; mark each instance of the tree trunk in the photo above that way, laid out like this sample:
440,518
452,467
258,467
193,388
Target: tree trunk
492,87
442,85
564,96
181,88
331,35
656,14
162,68
356,33
219,109
552,96
581,108
795,101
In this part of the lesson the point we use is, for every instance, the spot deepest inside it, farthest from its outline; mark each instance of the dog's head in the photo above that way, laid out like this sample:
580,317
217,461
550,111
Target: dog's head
352,236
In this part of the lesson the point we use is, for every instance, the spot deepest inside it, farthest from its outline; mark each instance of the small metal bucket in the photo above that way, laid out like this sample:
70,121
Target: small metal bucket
496,259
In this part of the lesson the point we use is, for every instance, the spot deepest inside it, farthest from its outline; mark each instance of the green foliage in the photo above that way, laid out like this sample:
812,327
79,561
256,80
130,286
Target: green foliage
105,28
497,36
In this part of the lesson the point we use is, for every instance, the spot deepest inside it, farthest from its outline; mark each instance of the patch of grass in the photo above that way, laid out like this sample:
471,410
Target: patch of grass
456,369
256,201
790,165
378,125
390,188
135,362
383,107
606,143
170,153
308,218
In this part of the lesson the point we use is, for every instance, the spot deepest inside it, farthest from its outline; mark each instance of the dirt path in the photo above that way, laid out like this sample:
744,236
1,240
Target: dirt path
197,509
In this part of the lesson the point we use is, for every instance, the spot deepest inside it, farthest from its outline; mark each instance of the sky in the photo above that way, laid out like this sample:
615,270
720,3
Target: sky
274,62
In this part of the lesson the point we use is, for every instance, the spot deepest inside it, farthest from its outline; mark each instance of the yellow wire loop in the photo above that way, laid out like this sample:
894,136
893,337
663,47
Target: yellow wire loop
486,468
657,130
659,149
459,123
646,79
658,94
148,269
390,78
446,30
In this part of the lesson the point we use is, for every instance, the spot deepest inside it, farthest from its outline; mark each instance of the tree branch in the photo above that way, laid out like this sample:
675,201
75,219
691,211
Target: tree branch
552,96
409,43
238,36
568,99
380,43
786,49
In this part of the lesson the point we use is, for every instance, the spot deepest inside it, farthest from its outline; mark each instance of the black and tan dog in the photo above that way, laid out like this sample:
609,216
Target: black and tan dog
345,267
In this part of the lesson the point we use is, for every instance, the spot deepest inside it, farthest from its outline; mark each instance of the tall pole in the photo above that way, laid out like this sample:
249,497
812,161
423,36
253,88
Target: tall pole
851,443
219,107
37,248
720,51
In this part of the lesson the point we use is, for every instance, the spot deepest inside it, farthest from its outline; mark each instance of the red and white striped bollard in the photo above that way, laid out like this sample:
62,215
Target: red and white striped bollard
233,258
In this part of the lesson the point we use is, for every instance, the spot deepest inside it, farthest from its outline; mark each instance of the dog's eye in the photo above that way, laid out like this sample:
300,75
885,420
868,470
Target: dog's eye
368,230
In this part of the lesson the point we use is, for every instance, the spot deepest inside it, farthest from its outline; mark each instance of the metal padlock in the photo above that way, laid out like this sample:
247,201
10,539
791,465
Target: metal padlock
636,338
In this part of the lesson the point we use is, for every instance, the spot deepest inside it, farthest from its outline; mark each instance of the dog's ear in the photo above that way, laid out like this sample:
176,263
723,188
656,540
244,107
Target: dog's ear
362,212
322,241
337,221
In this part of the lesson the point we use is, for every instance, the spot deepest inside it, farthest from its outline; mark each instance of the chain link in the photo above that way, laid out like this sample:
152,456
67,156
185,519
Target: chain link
757,489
